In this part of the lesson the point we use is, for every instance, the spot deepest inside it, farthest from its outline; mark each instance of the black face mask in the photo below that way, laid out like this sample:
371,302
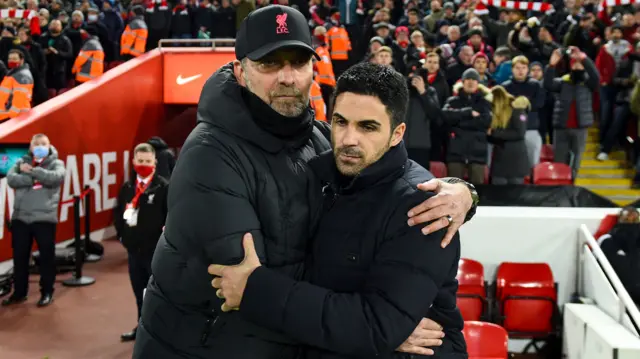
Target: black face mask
577,76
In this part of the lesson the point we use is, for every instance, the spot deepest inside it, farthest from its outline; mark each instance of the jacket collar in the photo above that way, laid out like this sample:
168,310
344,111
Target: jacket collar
388,168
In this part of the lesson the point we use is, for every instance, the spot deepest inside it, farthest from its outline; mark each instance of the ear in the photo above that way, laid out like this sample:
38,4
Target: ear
238,71
398,134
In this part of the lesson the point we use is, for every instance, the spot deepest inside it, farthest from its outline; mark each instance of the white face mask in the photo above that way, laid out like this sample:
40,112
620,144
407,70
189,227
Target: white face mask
92,17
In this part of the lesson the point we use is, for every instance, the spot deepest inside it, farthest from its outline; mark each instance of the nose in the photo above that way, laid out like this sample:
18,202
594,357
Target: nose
285,75
350,137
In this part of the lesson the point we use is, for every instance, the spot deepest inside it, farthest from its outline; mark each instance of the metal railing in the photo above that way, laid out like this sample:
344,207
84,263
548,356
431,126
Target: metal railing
215,43
625,303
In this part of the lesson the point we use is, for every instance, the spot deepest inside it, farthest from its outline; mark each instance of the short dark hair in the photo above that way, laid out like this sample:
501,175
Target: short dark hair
383,82
18,52
144,148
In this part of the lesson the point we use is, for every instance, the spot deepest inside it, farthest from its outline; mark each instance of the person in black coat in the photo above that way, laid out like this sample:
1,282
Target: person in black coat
469,116
165,156
139,217
423,111
510,164
370,280
437,80
244,168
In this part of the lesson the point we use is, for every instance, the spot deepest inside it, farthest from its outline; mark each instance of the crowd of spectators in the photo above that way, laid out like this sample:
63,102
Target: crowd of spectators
491,81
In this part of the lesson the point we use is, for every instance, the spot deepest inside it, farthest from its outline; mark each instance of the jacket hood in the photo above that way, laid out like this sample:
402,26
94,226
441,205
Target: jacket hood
223,106
482,89
158,143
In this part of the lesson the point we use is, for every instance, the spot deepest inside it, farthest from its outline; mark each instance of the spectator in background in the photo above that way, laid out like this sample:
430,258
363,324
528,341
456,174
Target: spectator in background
203,18
36,178
99,30
38,70
182,22
139,216
621,246
244,7
523,85
437,80
422,115
455,71
72,32
224,21
325,78
157,16
114,24
573,112
58,50
166,158
384,56
501,65
469,115
510,163
16,89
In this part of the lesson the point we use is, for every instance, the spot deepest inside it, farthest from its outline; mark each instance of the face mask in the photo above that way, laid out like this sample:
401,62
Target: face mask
403,44
13,64
144,171
92,18
40,152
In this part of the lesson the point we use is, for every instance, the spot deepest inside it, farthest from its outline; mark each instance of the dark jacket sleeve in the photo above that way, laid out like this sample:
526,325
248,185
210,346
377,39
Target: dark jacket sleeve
593,82
197,189
453,115
551,82
539,97
480,123
431,105
401,285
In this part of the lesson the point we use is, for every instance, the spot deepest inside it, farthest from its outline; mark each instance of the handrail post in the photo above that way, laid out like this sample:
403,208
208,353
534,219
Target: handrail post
78,280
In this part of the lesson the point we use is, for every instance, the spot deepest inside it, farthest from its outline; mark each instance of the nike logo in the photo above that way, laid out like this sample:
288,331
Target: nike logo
185,80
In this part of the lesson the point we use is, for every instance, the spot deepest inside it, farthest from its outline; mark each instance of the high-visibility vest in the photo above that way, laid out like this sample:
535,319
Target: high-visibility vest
90,61
16,90
134,38
339,43
325,74
317,102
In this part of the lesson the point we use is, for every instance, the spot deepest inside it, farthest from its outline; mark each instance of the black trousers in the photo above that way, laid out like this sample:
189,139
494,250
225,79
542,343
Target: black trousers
327,92
139,274
22,236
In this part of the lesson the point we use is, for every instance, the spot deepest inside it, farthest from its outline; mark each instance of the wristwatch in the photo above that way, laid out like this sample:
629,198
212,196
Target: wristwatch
475,199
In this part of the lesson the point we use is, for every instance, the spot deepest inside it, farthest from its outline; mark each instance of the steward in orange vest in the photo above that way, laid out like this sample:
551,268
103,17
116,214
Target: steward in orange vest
317,103
16,88
90,61
324,67
339,44
134,38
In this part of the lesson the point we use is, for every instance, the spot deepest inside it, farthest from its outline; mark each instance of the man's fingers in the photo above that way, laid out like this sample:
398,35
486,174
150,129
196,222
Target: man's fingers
420,342
432,211
429,324
249,247
435,226
407,348
219,294
431,185
451,231
226,308
216,269
216,282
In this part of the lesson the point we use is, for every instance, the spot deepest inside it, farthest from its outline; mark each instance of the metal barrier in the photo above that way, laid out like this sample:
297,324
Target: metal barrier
624,301
197,43
79,280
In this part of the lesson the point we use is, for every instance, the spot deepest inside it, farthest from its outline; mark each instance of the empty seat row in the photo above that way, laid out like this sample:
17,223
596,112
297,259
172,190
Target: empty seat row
544,173
523,298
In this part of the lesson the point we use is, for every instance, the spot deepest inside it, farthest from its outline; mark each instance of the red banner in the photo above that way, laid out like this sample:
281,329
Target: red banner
186,71
94,128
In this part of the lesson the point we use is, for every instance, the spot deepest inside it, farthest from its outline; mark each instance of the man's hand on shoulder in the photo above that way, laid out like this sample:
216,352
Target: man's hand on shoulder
448,208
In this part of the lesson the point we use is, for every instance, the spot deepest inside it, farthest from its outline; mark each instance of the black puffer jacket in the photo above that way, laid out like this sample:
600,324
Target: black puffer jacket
510,151
234,176
468,138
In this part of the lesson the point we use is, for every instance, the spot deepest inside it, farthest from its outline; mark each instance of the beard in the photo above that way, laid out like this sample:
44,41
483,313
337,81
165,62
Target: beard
293,105
359,162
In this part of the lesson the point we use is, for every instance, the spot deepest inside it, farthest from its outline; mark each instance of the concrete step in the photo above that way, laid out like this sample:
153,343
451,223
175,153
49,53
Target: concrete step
617,155
616,192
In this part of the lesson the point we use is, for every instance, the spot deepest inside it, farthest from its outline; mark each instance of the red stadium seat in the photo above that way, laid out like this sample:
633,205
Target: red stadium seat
472,293
546,154
527,300
606,225
485,340
552,174
438,169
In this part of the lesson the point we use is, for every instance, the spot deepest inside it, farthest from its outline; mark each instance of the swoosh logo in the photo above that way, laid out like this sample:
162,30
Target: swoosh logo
185,80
